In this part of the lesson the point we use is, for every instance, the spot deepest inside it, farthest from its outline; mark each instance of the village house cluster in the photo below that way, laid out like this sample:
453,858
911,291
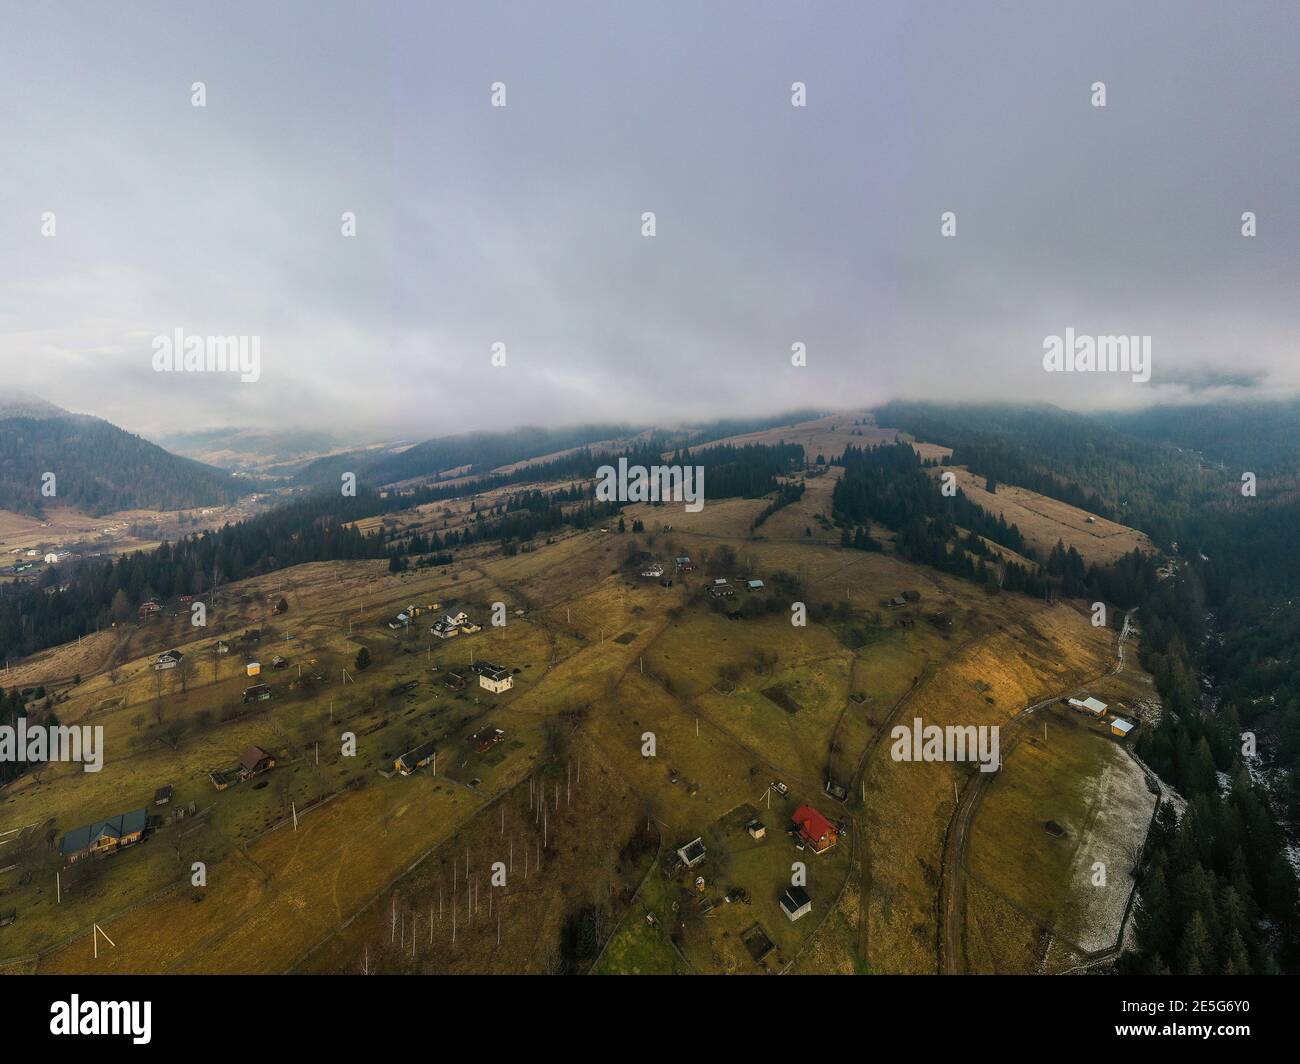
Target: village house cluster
450,625
808,829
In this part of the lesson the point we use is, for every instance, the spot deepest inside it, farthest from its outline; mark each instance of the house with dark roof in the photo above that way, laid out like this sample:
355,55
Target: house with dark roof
104,836
168,659
692,853
422,755
814,829
796,903
486,738
255,761
162,795
494,678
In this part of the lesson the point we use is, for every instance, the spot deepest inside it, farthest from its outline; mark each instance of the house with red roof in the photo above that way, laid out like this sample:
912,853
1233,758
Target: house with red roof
814,829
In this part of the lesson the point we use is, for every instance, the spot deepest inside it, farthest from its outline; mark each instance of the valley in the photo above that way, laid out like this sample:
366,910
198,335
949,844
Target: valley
333,862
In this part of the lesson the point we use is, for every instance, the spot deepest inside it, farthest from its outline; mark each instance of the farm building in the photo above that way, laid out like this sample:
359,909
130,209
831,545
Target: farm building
757,829
259,692
422,755
168,659
1089,705
692,853
795,903
147,608
253,668
278,662
454,680
684,564
162,795
753,585
255,761
814,829
494,678
104,836
485,739
1121,727
654,571
721,589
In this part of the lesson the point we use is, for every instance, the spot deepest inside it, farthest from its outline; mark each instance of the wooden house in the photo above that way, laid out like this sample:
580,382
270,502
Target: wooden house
105,836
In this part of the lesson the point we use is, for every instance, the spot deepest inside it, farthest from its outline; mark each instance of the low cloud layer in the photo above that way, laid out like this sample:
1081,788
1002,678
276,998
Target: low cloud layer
522,225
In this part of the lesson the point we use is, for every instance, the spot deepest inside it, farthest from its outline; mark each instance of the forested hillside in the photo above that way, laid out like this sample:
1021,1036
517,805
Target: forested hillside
1263,437
1220,636
1142,483
99,468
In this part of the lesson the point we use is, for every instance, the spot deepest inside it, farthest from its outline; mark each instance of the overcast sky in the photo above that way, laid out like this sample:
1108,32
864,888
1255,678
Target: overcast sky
522,224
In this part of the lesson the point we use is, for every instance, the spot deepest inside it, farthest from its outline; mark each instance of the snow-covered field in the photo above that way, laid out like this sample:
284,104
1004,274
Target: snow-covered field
1119,811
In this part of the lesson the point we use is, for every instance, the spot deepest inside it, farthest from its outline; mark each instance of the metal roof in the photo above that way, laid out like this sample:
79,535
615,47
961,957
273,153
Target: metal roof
114,827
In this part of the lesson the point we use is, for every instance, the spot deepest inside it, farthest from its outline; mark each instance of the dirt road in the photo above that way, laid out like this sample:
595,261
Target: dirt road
952,889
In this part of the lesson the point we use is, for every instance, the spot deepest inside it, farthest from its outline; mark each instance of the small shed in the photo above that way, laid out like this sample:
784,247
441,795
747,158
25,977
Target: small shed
796,903
1121,727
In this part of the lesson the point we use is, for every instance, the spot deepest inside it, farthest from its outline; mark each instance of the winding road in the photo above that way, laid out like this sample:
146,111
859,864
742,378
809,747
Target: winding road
952,890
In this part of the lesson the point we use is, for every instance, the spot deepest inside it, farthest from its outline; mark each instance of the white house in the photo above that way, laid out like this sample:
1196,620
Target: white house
1089,705
494,678
453,624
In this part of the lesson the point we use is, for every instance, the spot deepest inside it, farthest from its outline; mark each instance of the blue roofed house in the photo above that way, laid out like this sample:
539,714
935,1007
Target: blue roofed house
104,836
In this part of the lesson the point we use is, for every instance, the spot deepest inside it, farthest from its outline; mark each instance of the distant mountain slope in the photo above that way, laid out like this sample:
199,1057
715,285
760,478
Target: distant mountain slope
470,452
1071,457
1257,436
96,465
14,403
476,453
274,452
